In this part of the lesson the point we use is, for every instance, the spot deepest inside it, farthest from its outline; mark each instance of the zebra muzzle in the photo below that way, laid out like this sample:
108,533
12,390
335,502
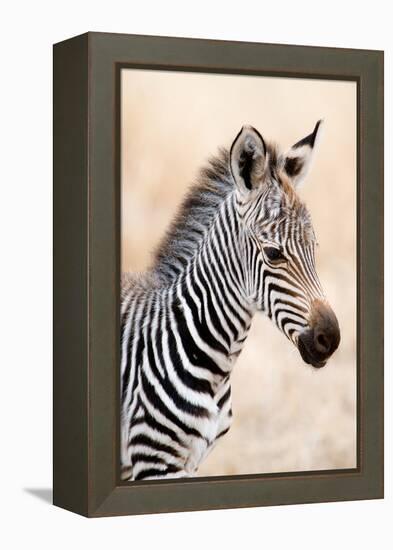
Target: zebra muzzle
321,339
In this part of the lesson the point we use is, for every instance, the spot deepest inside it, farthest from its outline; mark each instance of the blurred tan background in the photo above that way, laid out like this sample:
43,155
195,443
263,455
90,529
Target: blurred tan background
287,415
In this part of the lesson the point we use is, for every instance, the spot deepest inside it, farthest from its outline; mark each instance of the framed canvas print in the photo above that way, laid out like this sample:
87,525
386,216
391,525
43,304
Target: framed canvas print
218,274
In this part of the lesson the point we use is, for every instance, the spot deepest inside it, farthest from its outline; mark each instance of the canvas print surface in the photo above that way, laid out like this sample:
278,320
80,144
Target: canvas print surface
238,259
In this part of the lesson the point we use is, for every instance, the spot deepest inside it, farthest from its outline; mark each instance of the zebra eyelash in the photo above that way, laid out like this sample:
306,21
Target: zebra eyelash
274,255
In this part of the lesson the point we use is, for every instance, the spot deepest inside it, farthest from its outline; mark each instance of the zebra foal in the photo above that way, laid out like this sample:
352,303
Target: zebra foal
242,242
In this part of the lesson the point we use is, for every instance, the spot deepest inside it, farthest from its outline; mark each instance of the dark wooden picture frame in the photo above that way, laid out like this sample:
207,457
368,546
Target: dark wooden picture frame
87,273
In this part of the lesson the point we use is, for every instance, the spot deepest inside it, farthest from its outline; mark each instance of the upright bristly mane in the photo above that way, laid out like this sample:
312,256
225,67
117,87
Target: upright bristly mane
196,214
194,217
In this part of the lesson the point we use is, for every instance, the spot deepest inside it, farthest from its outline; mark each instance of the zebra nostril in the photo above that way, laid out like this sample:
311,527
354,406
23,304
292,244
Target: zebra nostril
322,342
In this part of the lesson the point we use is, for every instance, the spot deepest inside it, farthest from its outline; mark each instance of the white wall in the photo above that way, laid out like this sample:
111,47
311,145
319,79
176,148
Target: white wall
28,30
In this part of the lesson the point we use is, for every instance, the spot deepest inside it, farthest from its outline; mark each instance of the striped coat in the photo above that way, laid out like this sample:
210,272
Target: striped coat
184,322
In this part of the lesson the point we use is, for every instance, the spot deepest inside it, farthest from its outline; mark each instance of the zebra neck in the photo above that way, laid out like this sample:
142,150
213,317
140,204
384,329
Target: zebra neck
211,293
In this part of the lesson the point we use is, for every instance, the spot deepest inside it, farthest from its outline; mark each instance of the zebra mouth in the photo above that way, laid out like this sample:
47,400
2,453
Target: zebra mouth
308,357
321,338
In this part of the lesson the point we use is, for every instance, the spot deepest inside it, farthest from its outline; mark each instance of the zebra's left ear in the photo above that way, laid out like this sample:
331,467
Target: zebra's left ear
247,160
297,160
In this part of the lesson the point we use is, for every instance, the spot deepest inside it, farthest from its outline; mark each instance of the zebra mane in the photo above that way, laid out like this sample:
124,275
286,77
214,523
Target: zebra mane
195,215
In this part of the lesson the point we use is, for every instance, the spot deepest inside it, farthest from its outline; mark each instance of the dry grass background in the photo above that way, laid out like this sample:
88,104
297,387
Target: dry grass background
287,416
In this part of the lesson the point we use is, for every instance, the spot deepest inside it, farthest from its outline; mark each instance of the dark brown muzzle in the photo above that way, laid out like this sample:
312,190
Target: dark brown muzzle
318,342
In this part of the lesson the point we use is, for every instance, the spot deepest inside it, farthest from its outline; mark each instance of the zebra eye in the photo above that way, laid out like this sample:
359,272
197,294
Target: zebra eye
273,254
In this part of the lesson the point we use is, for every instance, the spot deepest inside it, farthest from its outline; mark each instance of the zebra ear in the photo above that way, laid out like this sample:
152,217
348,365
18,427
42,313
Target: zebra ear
297,160
247,159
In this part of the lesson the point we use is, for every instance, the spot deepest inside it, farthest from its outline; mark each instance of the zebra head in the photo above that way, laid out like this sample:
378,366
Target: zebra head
279,242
